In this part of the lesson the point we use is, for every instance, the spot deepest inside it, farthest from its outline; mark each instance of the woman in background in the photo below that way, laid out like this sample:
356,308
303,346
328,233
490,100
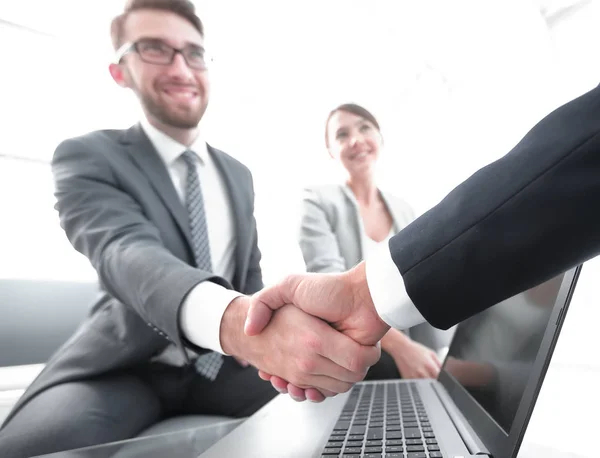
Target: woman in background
342,223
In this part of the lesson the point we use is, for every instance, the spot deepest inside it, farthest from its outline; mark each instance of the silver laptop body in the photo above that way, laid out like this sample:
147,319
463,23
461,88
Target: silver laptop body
479,405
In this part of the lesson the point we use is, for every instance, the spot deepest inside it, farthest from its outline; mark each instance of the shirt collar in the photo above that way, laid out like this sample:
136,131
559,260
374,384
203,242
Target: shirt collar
169,149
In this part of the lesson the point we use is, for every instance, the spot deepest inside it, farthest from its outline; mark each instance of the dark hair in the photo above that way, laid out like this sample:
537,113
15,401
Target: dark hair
183,8
353,109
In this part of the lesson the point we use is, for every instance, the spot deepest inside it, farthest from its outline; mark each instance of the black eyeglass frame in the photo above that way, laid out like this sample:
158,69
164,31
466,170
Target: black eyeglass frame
133,47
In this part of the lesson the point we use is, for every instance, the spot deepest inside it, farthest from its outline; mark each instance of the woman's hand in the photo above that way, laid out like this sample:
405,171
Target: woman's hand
412,359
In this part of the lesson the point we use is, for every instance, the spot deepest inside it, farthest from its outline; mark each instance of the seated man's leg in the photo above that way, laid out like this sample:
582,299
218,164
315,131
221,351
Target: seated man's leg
237,392
80,414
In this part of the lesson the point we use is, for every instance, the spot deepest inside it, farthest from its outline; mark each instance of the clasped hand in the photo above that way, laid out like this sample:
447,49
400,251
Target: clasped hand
345,337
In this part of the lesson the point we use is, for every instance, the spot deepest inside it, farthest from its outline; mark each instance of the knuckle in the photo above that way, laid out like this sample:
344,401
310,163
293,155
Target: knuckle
368,356
313,343
373,355
359,376
353,364
358,363
306,365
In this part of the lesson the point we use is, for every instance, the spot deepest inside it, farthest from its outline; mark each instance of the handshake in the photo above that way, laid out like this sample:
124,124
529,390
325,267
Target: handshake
312,335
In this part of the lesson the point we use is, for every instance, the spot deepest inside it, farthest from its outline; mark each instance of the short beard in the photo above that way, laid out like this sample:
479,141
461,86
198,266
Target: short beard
162,114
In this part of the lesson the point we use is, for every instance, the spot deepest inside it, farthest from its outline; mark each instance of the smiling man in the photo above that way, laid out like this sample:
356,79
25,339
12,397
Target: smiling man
167,222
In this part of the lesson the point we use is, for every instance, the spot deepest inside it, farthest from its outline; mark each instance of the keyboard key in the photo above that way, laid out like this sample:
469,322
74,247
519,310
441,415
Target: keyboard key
352,450
373,450
413,442
375,433
415,448
332,444
436,455
412,433
354,444
356,437
393,435
331,451
375,443
416,455
394,449
433,448
341,426
355,430
393,442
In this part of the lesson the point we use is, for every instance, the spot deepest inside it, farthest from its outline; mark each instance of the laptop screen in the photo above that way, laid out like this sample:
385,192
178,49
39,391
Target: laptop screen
492,354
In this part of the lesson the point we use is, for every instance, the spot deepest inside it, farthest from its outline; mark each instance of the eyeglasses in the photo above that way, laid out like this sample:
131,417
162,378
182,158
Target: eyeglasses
155,51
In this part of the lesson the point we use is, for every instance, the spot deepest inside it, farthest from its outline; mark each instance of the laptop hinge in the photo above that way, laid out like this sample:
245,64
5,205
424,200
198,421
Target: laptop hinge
472,442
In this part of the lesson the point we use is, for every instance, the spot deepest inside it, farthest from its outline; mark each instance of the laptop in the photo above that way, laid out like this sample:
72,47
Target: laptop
479,405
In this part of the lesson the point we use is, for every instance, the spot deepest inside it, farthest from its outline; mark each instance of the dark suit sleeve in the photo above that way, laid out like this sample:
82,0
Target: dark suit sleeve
108,226
254,281
513,224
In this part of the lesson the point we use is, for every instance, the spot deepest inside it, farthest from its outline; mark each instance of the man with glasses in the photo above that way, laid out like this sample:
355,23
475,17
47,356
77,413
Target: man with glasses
167,222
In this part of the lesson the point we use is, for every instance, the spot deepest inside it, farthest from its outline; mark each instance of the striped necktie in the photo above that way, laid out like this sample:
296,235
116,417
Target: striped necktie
207,364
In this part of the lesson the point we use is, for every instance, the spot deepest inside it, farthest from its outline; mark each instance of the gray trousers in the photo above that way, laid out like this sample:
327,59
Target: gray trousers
119,406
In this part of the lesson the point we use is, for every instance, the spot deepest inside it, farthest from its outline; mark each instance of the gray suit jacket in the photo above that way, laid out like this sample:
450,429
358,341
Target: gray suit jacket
331,231
119,208
331,239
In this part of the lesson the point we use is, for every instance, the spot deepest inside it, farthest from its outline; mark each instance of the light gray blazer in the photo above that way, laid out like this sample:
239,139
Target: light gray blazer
331,238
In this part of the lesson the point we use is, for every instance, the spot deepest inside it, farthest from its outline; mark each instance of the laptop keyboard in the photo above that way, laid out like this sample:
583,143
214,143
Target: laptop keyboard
383,420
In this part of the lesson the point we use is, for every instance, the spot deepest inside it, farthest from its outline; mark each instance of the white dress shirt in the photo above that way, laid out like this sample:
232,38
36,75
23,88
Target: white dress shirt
203,308
388,291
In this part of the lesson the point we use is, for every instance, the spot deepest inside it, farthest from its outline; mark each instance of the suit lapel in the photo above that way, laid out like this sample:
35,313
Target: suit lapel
239,206
358,228
149,162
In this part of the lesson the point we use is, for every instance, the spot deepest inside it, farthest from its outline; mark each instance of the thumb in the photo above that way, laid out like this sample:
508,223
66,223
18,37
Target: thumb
262,306
259,315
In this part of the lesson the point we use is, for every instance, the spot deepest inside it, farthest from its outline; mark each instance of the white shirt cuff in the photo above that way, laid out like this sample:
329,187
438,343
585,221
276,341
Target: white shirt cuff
388,291
201,314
